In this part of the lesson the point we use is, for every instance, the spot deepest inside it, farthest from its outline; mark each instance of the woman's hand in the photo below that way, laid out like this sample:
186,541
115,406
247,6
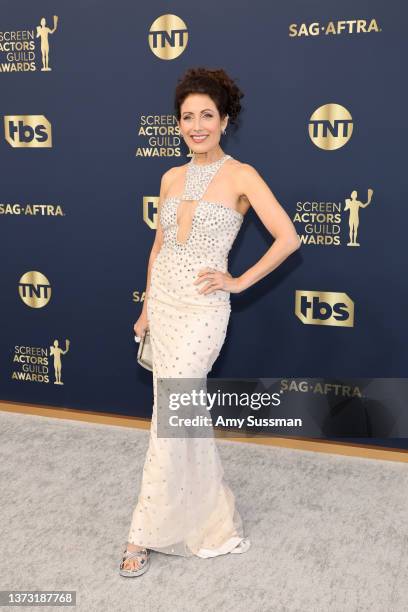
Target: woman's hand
217,280
141,325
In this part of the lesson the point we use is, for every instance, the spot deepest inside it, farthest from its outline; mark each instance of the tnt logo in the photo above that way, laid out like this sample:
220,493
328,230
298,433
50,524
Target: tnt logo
150,206
324,308
27,131
34,289
330,127
168,37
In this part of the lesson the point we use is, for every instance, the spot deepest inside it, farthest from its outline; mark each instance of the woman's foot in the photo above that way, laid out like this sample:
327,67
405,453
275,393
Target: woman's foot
243,546
137,562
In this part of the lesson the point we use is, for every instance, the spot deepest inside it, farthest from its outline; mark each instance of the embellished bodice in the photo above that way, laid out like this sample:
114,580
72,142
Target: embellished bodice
214,226
213,229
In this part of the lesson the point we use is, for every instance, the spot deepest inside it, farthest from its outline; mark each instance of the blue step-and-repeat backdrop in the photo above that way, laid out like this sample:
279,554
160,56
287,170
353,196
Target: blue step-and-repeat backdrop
89,128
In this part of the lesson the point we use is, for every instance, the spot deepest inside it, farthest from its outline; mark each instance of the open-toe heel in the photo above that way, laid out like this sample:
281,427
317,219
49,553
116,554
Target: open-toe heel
144,560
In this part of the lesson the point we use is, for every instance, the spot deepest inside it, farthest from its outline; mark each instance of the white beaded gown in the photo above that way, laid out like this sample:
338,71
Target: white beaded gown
185,507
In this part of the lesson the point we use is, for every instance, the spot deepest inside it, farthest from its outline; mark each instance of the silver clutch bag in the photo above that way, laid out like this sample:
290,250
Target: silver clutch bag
144,354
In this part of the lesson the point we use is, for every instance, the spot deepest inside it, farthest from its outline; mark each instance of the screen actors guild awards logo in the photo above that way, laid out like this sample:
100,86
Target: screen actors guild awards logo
323,223
57,351
353,206
43,31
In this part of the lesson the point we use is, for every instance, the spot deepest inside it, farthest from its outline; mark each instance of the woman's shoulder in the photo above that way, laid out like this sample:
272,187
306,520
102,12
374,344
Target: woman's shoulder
172,172
169,175
242,172
237,165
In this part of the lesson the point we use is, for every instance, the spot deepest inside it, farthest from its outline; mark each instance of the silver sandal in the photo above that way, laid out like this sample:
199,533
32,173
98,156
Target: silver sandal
144,557
242,547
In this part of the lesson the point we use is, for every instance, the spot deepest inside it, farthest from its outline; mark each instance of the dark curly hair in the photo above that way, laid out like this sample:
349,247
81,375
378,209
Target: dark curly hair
216,84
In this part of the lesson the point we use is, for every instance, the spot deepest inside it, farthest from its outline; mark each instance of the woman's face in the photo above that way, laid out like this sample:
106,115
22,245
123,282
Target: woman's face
199,116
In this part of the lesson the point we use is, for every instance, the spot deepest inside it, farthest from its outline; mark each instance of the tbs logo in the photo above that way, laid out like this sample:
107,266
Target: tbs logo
27,131
324,308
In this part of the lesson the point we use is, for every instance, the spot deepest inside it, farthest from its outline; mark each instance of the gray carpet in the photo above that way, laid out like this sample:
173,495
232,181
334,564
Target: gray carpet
329,533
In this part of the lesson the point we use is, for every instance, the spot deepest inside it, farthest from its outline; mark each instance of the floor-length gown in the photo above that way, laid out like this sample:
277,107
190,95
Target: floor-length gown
185,507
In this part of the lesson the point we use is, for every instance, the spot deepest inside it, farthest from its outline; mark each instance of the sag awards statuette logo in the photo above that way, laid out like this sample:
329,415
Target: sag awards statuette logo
34,362
321,223
353,205
27,131
18,49
34,289
324,308
168,37
56,351
43,32
330,127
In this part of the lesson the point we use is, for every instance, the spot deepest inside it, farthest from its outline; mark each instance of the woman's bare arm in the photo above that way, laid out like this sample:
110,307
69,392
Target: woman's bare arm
158,240
276,221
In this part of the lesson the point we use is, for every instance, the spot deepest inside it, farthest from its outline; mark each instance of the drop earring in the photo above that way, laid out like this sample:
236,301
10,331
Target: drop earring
224,131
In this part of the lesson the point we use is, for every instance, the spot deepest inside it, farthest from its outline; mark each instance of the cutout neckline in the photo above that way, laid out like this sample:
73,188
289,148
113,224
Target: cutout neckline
208,176
217,161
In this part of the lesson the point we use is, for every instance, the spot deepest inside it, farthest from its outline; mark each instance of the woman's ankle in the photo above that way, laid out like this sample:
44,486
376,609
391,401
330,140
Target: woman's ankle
133,547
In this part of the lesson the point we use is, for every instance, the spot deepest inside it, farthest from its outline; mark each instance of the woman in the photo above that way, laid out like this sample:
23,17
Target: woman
185,507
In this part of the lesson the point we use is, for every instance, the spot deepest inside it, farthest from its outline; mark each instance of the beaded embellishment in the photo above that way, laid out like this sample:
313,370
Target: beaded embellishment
199,176
212,231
